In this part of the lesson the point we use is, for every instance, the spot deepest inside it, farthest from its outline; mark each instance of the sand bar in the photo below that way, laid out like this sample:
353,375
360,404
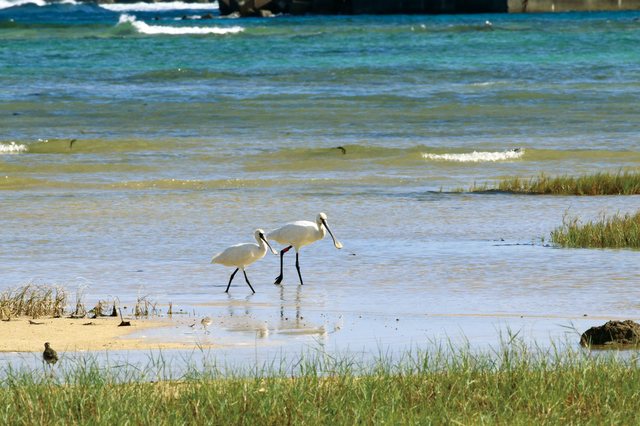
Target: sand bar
67,334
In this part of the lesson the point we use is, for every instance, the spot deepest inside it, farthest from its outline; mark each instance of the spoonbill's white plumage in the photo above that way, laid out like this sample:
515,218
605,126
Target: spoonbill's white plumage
299,234
242,255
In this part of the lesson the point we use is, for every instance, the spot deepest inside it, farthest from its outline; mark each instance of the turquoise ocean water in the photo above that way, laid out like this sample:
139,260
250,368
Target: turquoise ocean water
189,134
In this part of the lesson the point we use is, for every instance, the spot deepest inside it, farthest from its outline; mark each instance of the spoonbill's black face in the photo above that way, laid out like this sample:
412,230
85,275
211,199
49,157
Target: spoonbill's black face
267,243
335,242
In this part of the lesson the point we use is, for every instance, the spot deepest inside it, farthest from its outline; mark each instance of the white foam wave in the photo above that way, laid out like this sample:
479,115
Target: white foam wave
158,7
11,3
489,83
475,157
12,148
160,29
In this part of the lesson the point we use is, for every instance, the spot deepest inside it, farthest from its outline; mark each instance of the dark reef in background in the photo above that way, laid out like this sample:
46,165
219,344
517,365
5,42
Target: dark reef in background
408,7
361,7
413,7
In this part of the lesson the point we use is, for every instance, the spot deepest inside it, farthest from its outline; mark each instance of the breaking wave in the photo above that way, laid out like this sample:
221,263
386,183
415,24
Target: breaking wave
144,28
120,7
157,7
476,157
5,4
12,148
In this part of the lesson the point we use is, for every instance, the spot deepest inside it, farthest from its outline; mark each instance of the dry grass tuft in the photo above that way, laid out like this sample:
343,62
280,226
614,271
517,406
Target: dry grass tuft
80,311
37,299
34,300
105,308
145,307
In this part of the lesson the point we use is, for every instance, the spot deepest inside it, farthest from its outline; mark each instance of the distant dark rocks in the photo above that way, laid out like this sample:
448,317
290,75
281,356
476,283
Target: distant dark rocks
612,333
258,8
141,1
207,16
252,8
260,13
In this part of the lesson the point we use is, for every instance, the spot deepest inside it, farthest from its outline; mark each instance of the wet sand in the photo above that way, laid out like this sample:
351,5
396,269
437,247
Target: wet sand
66,334
241,332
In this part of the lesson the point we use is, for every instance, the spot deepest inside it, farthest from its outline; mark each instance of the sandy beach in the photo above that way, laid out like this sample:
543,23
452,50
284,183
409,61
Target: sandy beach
66,334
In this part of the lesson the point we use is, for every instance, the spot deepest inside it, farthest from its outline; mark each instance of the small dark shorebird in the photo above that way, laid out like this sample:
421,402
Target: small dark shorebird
49,354
206,322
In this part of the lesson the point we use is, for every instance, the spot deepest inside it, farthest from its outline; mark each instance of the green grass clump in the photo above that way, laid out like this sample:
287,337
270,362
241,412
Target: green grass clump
618,231
515,385
602,183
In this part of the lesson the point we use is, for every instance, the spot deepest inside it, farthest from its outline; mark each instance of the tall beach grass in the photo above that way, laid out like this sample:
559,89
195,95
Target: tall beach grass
600,183
515,384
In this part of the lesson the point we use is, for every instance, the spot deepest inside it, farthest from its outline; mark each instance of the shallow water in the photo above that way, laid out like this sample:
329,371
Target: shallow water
190,134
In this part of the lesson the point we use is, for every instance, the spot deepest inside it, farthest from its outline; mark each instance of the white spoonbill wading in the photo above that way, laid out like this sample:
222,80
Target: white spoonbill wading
298,234
242,255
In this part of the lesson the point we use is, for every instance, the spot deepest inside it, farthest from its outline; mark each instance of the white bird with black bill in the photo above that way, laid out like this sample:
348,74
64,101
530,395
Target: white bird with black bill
299,234
242,255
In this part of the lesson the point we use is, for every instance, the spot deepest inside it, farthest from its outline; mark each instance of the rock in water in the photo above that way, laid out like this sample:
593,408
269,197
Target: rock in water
613,332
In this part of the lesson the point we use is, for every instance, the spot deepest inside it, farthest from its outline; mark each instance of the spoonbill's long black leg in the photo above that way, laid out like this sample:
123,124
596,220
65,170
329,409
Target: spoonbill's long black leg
298,268
231,279
247,280
282,252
